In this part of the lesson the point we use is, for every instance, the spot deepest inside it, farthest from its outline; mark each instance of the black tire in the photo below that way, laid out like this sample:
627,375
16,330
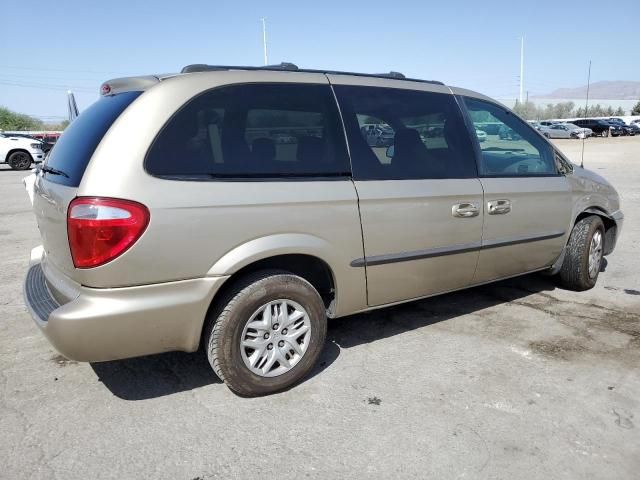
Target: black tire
227,322
574,274
20,161
547,135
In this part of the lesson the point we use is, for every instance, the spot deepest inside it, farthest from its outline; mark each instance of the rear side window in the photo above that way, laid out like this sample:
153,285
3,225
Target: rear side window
253,131
74,148
405,134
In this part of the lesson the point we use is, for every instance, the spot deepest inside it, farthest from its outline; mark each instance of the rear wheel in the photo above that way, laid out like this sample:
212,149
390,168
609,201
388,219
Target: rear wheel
19,161
584,253
267,334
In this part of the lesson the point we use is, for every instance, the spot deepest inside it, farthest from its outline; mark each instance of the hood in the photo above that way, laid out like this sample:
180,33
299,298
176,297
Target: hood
22,141
587,174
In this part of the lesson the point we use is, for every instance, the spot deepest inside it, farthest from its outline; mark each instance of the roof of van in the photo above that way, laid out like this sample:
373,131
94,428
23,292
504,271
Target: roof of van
118,85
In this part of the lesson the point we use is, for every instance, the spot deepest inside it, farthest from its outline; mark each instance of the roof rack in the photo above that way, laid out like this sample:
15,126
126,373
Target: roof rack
201,67
291,67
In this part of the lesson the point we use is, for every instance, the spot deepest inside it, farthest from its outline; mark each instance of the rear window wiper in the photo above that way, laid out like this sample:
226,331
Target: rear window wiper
53,171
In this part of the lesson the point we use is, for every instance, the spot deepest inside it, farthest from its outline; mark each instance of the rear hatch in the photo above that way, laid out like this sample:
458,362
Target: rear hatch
57,184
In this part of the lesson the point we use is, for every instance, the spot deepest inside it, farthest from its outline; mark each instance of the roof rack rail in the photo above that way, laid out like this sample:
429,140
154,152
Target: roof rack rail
391,74
201,67
291,67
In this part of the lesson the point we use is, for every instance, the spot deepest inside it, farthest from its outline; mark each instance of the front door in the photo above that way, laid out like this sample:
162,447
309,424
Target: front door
420,199
527,201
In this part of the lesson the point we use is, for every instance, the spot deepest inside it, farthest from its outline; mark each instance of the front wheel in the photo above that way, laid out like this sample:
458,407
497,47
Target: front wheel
267,334
19,161
583,256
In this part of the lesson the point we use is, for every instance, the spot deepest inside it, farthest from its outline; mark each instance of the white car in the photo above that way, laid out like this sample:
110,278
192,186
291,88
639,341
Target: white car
482,135
565,130
20,152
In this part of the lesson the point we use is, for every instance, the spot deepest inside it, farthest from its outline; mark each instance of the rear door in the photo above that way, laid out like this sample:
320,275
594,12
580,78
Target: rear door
420,200
527,201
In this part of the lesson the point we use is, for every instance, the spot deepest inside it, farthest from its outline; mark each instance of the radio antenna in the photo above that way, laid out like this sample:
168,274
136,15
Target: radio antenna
586,108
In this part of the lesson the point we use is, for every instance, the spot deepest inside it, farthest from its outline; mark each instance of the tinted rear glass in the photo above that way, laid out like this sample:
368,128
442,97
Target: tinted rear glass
253,131
75,147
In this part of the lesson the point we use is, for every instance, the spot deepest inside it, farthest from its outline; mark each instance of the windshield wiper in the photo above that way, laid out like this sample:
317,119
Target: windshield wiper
53,171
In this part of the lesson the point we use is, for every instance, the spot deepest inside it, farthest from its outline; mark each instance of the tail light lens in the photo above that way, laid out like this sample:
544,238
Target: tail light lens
101,229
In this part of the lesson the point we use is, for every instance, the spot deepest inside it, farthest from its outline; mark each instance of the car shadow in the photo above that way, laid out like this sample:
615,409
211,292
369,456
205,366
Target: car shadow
165,374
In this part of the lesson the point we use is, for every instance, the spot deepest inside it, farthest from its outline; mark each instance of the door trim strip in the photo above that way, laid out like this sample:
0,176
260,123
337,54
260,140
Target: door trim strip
452,250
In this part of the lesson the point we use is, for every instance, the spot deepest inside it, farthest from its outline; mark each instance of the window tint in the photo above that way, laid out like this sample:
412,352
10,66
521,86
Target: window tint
511,148
405,134
74,148
253,131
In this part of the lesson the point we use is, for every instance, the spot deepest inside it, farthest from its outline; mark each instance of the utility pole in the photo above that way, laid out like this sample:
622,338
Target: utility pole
264,40
521,69
527,96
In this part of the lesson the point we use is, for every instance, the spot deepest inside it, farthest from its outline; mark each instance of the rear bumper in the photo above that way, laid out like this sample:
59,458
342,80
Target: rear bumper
115,323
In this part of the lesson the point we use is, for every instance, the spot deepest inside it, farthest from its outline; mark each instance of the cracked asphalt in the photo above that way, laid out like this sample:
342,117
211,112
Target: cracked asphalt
518,379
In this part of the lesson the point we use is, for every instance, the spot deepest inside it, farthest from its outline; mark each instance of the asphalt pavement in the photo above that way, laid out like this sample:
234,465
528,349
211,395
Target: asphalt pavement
514,380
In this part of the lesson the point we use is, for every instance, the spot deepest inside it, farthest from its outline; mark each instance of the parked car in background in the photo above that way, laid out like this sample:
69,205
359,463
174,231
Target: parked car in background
506,133
548,123
627,129
378,135
48,139
179,230
635,126
19,152
565,130
482,136
598,127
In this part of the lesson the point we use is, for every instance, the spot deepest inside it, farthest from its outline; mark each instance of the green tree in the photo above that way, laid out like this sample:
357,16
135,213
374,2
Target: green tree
619,112
56,126
527,110
636,110
17,121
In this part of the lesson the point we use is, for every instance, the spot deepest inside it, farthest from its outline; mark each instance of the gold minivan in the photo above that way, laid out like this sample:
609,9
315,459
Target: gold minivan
240,207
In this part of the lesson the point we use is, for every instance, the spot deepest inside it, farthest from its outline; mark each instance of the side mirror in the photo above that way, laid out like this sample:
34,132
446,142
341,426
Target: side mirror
390,151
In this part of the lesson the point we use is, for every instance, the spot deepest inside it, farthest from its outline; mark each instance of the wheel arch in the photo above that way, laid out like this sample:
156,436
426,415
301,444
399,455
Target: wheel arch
14,150
312,268
610,226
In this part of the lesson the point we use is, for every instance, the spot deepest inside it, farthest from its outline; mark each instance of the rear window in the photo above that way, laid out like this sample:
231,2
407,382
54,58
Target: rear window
253,131
74,148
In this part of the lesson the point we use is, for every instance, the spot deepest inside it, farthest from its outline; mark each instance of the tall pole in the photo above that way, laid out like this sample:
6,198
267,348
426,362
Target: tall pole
264,40
586,108
521,69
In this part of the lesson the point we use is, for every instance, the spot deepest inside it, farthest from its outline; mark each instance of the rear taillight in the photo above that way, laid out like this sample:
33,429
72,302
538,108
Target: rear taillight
101,229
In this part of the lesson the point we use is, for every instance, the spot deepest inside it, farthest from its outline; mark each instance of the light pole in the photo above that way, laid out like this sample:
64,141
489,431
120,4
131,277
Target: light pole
521,69
264,39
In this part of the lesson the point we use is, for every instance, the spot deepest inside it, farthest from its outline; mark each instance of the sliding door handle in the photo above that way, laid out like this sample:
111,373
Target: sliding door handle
465,210
499,207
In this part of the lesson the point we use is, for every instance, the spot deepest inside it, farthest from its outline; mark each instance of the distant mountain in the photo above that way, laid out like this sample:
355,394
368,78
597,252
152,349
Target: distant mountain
607,90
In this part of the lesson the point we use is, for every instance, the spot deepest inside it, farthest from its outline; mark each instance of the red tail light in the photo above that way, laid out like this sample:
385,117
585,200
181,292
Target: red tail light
101,229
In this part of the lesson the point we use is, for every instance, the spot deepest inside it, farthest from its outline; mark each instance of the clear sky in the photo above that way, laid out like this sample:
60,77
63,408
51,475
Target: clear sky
49,46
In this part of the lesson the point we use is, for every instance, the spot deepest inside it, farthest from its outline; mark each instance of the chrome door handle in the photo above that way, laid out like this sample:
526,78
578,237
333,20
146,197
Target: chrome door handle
465,210
499,207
